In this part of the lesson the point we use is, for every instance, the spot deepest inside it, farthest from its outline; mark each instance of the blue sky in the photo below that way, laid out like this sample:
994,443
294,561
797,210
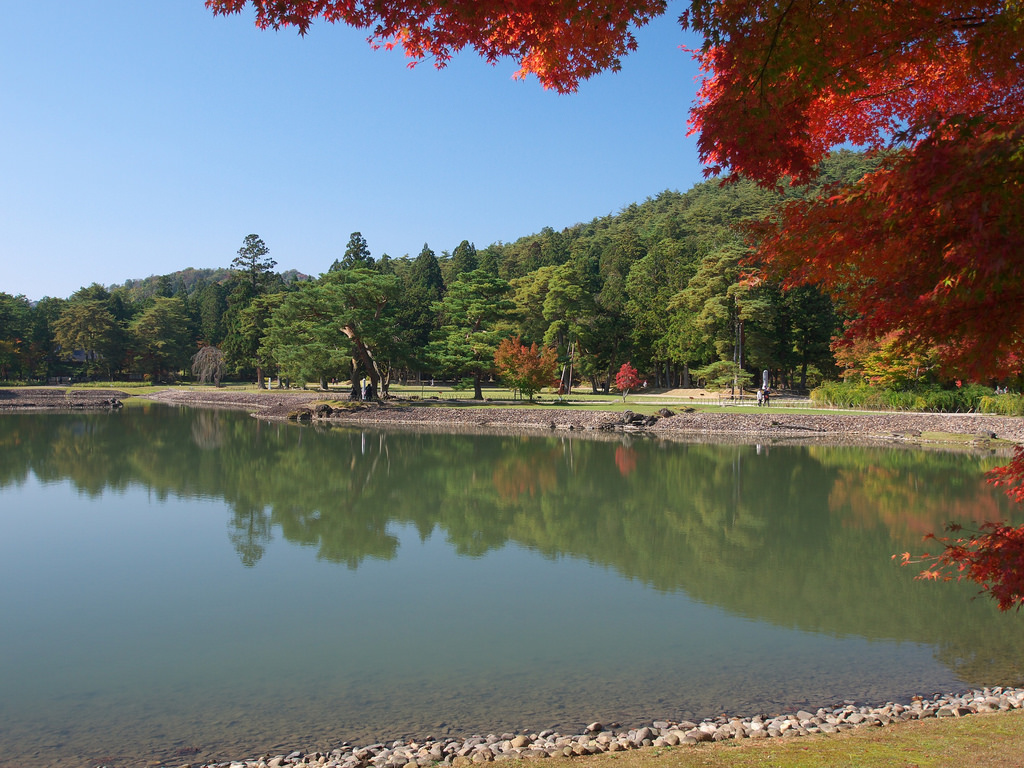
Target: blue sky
140,138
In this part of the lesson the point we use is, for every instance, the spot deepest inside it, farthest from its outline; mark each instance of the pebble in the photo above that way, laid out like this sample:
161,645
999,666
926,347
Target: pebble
474,750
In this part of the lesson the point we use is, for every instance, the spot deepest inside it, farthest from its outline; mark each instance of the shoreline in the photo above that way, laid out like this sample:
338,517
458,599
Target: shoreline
682,423
673,421
599,738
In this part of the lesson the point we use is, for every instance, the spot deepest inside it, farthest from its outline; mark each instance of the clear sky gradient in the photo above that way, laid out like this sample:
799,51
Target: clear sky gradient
144,137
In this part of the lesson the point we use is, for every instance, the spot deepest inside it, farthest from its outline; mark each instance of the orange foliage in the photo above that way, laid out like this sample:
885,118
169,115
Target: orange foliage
533,475
526,369
786,81
560,41
883,362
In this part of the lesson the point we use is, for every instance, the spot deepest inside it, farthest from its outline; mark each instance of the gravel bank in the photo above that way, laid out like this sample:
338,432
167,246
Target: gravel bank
460,415
598,737
455,415
31,399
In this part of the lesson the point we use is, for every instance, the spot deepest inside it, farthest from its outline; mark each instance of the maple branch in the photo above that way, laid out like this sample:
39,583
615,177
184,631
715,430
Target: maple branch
776,34
966,22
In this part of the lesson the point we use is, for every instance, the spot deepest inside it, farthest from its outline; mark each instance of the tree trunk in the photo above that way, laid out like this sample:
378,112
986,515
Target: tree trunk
565,382
478,393
365,357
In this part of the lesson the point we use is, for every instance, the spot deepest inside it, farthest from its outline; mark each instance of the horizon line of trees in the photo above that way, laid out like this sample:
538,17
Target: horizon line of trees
663,285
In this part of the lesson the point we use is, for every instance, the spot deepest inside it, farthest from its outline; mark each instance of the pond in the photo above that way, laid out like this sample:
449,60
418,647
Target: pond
191,585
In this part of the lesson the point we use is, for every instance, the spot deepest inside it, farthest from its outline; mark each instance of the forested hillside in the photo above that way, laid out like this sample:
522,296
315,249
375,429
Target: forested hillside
662,284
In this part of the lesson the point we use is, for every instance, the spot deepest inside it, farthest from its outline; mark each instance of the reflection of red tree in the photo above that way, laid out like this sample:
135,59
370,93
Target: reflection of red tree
1011,477
879,497
519,475
993,555
625,460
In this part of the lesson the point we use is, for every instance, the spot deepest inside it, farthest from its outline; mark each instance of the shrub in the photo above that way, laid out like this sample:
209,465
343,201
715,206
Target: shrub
112,384
968,398
1003,405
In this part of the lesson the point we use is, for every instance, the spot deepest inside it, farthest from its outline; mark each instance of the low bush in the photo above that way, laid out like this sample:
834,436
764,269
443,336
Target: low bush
965,399
112,385
1003,405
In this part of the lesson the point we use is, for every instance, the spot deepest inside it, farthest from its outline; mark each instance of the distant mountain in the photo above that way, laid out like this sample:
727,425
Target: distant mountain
187,282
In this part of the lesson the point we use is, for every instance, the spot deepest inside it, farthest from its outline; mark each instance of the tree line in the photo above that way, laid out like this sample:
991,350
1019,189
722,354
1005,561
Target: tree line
662,285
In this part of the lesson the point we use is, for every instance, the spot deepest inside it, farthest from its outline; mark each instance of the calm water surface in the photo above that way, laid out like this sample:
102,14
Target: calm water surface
181,580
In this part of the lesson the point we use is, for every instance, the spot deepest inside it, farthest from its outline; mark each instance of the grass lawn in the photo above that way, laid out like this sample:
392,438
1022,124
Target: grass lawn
645,400
582,398
978,741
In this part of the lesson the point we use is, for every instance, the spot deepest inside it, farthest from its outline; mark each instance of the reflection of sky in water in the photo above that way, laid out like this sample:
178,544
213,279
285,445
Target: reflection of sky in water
135,615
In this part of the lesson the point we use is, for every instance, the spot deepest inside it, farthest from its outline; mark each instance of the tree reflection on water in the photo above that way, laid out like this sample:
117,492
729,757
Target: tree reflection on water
730,525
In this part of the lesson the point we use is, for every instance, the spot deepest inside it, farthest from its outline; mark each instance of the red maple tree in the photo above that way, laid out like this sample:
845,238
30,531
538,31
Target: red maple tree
930,248
626,379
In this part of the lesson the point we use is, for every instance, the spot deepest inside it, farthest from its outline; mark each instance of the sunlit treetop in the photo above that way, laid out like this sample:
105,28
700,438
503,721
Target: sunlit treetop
560,41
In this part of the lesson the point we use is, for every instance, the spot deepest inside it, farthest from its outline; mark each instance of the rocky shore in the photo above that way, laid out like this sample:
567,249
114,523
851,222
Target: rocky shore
674,420
32,399
599,738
